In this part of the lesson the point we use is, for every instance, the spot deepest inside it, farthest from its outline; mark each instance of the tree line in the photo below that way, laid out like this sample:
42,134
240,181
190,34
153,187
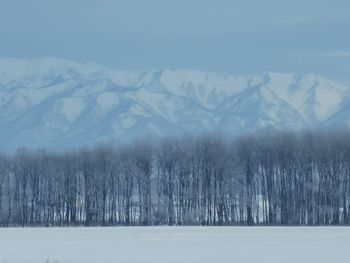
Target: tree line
278,178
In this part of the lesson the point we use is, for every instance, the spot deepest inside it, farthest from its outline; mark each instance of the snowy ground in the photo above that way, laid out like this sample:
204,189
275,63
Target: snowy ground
176,244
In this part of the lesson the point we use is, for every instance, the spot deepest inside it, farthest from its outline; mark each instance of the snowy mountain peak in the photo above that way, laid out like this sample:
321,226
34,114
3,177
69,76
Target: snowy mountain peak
49,102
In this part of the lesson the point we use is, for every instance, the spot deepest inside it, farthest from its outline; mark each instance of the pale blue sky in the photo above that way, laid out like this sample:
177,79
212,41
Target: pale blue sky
245,36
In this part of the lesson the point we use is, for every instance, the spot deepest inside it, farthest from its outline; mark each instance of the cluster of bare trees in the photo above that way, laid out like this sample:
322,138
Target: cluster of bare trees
273,179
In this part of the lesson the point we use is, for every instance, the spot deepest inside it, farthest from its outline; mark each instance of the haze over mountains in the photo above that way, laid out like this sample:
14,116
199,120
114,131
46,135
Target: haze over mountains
59,104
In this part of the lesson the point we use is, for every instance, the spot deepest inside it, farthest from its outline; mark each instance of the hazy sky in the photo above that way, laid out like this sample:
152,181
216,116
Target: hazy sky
244,36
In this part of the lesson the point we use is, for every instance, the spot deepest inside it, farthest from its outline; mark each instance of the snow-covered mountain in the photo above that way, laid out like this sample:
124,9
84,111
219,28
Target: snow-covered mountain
55,103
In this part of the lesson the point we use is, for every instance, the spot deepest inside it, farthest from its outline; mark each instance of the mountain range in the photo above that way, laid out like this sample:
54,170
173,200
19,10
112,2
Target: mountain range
52,103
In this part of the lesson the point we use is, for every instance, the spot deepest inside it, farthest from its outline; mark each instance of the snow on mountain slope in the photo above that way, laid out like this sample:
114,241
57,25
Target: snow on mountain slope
56,103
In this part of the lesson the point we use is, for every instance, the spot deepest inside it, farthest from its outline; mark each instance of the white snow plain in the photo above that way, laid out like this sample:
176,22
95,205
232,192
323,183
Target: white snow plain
175,244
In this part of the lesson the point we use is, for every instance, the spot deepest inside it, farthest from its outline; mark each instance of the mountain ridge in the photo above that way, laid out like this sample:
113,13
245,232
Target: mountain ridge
56,103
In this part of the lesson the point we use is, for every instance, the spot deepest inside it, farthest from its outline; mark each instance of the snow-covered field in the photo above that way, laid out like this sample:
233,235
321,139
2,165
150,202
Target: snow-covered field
176,244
